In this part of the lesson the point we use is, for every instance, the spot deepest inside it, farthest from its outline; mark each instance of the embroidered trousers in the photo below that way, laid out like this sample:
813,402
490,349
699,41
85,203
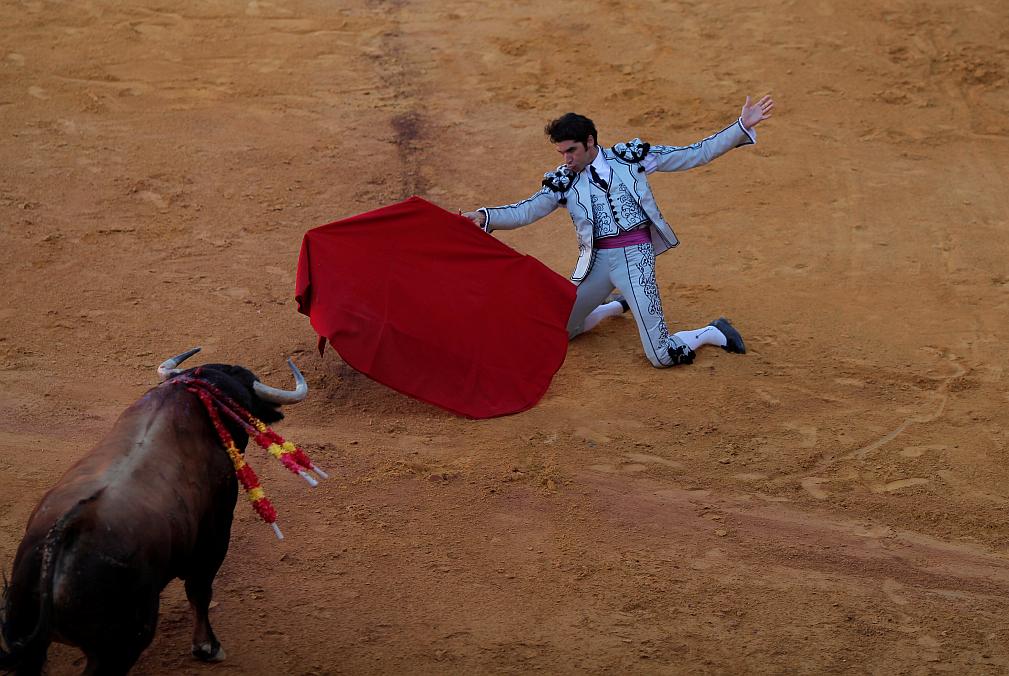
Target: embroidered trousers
632,271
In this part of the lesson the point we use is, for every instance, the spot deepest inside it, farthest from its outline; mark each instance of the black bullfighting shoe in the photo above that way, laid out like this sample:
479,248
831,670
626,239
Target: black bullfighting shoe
681,356
733,341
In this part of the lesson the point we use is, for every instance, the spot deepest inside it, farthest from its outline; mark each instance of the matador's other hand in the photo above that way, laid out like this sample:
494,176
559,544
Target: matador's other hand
479,218
755,113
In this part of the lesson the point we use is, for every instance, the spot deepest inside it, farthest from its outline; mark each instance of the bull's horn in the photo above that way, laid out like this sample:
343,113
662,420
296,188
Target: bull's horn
168,366
277,396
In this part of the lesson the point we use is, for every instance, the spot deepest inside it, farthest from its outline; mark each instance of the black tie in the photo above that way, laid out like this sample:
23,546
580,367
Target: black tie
598,179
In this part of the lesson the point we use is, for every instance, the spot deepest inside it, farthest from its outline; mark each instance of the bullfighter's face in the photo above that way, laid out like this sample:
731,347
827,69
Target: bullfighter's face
577,155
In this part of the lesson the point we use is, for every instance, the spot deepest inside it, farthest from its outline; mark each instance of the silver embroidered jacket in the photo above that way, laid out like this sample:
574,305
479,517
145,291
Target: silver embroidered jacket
561,187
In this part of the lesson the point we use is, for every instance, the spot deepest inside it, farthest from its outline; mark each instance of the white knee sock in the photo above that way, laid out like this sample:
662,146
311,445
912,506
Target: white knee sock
709,335
606,310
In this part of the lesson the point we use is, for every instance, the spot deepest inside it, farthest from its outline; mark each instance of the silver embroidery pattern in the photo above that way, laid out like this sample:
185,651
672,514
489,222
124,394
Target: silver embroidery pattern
631,214
646,281
602,223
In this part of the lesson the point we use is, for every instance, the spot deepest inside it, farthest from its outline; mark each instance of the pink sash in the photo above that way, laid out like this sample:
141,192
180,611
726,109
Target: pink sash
639,236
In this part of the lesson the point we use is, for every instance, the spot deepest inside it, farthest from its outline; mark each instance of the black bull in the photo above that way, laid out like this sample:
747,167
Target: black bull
153,501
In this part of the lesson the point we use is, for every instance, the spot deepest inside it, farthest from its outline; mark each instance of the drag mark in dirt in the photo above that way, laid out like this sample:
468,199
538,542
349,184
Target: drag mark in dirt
409,127
811,482
399,73
756,535
942,395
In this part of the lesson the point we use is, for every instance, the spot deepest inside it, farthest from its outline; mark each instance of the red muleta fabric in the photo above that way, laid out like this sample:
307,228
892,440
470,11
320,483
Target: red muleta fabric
423,301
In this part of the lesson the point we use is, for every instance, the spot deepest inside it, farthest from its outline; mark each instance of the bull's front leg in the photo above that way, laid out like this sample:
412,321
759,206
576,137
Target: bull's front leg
208,557
206,647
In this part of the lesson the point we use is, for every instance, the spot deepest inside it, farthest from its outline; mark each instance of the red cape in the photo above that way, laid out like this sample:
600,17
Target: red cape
421,300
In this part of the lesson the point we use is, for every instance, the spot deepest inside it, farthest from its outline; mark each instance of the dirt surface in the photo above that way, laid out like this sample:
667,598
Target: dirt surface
834,501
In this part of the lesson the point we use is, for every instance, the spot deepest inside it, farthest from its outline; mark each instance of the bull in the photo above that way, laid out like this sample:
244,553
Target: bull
153,501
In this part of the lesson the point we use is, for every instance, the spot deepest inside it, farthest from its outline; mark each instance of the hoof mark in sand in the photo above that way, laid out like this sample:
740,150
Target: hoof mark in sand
636,464
711,558
122,87
918,451
875,532
807,432
256,8
236,292
154,198
755,476
645,457
177,18
622,469
897,485
891,589
812,485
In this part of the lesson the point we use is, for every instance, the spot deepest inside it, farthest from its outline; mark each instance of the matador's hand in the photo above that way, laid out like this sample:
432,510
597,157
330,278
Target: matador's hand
755,113
479,218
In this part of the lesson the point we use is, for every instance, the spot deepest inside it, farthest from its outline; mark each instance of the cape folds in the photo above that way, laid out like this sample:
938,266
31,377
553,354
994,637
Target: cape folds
423,301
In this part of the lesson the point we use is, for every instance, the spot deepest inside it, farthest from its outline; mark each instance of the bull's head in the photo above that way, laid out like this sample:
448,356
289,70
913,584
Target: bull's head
264,405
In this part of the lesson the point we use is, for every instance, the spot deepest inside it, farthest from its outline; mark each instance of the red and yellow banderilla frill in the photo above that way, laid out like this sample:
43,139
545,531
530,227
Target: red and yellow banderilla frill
291,456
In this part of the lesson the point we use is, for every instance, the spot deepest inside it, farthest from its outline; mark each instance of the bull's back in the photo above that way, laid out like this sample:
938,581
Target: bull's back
157,473
151,452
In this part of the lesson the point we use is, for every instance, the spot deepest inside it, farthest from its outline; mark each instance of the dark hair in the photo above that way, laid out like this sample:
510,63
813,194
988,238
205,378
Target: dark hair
572,127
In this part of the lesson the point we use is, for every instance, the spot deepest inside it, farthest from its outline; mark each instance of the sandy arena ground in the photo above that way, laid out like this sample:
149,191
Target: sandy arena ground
836,501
